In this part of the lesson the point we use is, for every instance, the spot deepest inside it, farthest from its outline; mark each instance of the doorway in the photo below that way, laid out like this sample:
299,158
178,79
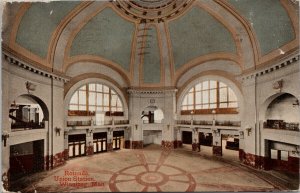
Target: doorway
187,137
77,145
230,146
26,158
118,140
100,142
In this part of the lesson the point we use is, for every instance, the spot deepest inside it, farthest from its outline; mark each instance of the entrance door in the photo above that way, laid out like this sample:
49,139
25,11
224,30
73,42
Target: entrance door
77,145
118,138
187,137
100,141
26,158
205,139
38,151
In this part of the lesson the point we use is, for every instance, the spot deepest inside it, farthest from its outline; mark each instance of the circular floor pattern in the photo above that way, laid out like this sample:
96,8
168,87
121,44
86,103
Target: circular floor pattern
153,177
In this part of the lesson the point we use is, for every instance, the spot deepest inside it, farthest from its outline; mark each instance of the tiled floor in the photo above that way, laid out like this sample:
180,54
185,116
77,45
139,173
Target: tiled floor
150,169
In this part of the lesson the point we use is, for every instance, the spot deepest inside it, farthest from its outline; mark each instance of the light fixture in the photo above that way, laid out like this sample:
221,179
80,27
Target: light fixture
277,85
89,132
110,129
66,132
249,130
57,131
242,134
217,132
296,103
30,86
136,126
5,136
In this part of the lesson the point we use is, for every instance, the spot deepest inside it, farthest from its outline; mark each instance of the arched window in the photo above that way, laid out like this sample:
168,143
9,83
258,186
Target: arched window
208,95
92,98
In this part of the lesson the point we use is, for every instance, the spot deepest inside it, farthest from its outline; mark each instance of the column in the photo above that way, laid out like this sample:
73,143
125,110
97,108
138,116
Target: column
109,139
195,143
89,148
127,134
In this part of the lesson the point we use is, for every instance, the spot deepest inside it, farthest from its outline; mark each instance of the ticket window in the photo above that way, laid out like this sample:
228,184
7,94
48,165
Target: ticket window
100,142
117,143
77,144
99,145
118,137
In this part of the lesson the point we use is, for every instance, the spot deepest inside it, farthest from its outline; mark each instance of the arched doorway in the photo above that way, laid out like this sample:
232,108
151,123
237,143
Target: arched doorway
280,113
27,112
152,114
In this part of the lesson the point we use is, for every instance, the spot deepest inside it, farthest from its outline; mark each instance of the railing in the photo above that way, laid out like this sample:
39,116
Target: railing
196,122
183,122
25,126
210,123
89,123
281,125
228,123
121,122
147,122
79,123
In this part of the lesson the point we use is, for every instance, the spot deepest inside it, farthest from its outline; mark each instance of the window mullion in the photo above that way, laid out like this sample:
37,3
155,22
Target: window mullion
194,98
109,100
227,96
218,95
87,97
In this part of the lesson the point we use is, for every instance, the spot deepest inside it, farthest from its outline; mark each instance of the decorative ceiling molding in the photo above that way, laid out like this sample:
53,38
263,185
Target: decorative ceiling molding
29,67
144,90
152,11
277,66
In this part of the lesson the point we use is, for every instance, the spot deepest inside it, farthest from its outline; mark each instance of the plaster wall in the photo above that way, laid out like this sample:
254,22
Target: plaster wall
14,85
152,137
260,93
81,68
165,101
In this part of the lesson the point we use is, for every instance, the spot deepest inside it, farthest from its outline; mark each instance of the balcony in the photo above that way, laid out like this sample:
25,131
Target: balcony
228,123
79,123
121,122
224,125
183,122
196,122
20,126
97,123
281,125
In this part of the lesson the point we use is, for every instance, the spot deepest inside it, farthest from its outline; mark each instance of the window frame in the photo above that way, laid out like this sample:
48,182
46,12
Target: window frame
97,107
187,110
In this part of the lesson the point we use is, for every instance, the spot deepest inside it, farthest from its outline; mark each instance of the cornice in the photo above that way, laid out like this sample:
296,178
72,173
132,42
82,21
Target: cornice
32,68
162,90
290,60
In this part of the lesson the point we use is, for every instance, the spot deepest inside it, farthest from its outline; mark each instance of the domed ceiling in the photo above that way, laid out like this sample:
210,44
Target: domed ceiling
152,42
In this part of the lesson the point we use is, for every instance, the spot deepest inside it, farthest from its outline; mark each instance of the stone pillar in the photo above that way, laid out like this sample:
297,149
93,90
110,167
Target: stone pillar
179,138
195,144
109,146
217,142
89,148
5,148
167,145
167,142
5,164
66,144
127,135
137,145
